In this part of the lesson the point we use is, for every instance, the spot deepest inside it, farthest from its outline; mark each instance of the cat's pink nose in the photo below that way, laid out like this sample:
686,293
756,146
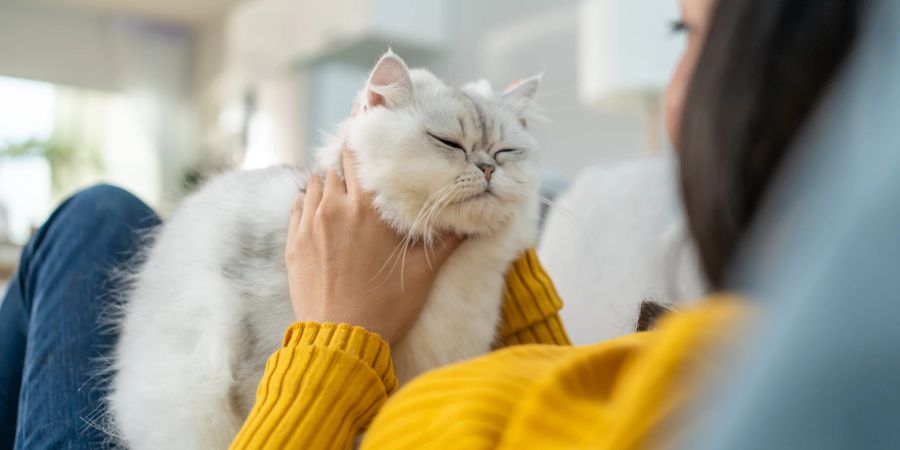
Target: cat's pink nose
487,170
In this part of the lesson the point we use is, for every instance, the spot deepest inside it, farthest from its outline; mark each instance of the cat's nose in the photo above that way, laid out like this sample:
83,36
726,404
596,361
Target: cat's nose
487,170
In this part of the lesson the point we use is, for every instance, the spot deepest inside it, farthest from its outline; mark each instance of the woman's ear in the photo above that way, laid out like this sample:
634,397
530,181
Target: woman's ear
389,83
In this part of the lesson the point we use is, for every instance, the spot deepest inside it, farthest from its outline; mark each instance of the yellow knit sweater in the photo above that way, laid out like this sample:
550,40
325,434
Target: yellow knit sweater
328,382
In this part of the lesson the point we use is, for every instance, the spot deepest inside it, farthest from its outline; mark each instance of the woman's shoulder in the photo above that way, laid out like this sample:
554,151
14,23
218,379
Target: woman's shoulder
465,402
511,395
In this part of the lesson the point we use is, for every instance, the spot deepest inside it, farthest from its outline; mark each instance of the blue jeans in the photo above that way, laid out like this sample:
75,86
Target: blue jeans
52,342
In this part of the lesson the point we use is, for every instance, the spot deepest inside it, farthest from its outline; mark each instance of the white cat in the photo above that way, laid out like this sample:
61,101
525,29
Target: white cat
210,303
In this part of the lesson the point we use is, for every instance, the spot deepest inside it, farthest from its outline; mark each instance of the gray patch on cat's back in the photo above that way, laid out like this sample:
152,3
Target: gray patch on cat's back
255,268
263,247
244,374
253,251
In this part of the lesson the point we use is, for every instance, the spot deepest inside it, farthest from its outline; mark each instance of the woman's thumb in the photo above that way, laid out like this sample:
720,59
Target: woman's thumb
444,248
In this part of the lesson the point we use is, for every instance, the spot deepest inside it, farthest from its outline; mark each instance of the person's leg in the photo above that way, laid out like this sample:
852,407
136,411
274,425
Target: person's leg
13,328
52,343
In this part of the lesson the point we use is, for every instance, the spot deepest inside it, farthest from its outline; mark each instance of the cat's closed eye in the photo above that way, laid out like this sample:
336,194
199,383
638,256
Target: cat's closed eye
506,151
447,142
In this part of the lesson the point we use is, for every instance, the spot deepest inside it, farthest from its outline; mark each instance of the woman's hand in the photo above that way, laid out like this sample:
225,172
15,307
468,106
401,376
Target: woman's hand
337,257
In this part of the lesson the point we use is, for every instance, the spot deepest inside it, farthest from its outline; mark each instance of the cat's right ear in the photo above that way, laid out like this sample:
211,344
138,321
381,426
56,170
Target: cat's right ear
521,95
522,92
389,84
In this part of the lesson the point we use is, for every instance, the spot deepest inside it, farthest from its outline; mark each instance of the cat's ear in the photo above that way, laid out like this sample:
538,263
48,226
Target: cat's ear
523,91
389,83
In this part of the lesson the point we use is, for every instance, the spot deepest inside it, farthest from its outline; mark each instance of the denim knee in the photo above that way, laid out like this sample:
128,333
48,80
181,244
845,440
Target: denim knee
99,205
92,231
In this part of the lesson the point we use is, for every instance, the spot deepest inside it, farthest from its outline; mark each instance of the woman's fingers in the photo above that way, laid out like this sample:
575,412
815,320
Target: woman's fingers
443,249
348,164
333,184
433,257
296,213
314,191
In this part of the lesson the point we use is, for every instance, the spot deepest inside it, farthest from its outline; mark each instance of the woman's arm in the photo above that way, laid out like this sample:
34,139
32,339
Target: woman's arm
320,389
342,374
530,306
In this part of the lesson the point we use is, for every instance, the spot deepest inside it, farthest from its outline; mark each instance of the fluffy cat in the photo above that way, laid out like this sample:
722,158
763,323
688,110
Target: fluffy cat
210,302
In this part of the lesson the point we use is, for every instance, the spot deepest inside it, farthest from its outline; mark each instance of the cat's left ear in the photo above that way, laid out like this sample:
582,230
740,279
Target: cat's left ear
522,92
520,95
389,84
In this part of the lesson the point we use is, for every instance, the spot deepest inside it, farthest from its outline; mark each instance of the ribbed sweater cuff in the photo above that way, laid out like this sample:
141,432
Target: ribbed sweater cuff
320,389
549,331
531,305
369,347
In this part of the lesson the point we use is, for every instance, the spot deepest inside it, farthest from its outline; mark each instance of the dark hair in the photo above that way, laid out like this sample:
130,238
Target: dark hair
764,67
649,314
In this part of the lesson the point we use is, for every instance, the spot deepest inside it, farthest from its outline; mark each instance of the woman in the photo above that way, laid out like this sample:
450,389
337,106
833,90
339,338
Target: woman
754,77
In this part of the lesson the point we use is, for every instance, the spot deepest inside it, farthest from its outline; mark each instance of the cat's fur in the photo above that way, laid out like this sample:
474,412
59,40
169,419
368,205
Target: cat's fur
210,303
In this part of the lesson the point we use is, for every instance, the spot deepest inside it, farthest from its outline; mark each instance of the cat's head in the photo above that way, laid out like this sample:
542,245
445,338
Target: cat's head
442,158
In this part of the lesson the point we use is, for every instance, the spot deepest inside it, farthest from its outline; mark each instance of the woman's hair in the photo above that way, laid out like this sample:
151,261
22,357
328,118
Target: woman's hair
764,67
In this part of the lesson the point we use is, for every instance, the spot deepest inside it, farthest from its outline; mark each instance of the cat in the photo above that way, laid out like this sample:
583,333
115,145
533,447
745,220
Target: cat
209,303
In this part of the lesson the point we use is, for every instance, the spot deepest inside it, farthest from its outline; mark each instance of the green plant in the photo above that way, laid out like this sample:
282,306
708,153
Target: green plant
62,157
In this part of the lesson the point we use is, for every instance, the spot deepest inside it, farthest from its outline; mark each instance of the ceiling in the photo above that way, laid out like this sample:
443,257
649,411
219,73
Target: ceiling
188,12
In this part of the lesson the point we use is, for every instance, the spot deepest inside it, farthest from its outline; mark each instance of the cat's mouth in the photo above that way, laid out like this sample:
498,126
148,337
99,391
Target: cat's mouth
486,194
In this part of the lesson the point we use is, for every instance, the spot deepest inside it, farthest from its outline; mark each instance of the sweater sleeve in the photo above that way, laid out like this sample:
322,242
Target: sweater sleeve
531,306
320,389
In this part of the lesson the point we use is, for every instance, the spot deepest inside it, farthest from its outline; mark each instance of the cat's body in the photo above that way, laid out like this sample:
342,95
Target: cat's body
210,303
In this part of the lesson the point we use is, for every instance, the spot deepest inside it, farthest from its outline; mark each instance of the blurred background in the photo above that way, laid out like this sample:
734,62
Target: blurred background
156,95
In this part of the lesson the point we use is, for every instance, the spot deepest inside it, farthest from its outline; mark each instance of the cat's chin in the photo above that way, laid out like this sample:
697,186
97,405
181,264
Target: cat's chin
480,215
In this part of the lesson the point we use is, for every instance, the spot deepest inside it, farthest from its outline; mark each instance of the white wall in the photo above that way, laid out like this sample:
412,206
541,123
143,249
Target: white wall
187,72
55,44
502,41
508,40
332,87
145,65
279,121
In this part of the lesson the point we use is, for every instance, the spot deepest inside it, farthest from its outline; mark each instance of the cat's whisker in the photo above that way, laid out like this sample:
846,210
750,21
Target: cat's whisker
403,268
545,200
445,200
545,94
383,266
445,193
425,217
433,206
433,199
395,256
432,217
422,218
426,247
562,108
399,251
